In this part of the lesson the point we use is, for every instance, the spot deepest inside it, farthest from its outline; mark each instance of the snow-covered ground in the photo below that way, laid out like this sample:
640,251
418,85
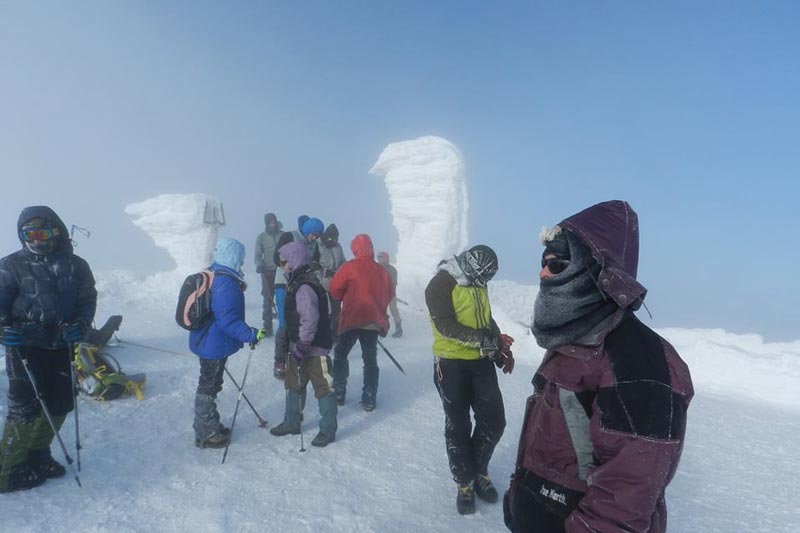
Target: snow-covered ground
387,471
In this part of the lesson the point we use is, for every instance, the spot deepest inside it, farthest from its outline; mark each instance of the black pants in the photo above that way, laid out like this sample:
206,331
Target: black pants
463,385
211,373
52,372
369,353
206,416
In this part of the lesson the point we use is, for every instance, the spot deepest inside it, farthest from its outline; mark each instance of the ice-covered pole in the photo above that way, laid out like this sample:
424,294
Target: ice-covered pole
427,189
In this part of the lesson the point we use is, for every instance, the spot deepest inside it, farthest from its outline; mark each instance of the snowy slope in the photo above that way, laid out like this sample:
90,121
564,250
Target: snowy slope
387,471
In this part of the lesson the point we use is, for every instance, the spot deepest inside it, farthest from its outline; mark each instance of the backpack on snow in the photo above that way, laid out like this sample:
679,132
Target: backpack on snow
194,301
100,376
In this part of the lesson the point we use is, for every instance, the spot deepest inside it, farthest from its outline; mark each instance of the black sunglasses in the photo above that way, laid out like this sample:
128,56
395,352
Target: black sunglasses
554,265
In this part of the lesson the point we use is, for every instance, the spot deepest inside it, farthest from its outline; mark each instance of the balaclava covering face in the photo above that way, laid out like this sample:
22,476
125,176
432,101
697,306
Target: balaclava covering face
570,305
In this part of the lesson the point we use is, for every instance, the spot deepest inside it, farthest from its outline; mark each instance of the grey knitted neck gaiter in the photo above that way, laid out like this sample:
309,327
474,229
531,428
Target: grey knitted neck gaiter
570,305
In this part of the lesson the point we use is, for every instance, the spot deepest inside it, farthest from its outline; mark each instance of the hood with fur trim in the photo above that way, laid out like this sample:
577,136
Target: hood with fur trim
611,231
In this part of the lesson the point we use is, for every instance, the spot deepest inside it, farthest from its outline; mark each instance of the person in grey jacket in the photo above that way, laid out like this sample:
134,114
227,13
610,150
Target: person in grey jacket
383,260
331,257
266,244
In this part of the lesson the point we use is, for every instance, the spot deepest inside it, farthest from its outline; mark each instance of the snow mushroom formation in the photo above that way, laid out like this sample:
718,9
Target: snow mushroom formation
427,189
185,225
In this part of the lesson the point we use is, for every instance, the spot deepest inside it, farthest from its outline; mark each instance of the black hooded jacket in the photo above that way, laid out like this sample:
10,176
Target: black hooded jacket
40,293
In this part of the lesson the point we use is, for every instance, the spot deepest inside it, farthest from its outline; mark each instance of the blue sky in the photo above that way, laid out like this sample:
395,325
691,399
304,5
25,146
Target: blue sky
688,110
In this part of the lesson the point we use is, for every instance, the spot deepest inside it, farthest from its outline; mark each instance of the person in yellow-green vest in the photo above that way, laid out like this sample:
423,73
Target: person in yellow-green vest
467,344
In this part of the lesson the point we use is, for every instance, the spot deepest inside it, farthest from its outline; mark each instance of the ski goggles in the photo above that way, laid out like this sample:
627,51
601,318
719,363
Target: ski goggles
555,265
38,234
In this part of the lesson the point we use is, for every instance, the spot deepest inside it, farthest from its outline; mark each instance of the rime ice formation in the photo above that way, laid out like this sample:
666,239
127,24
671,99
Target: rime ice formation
185,225
428,192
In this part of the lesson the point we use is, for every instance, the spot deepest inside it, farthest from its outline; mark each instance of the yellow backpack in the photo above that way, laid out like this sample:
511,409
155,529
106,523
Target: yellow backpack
100,375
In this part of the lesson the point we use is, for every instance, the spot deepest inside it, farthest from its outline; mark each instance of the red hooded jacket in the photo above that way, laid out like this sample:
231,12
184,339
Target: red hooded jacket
364,288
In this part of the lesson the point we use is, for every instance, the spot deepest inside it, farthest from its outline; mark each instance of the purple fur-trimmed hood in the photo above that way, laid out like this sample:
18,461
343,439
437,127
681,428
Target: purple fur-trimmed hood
611,231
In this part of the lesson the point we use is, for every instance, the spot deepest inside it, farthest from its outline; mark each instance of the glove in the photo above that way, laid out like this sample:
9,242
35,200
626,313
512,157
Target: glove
490,345
506,341
260,269
300,350
72,332
258,334
505,361
11,336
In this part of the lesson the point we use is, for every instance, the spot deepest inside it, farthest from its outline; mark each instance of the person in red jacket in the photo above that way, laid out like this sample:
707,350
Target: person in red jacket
365,290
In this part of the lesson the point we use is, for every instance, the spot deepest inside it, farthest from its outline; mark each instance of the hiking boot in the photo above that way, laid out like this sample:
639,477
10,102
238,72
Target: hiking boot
322,440
42,462
283,429
368,400
23,477
340,397
485,490
279,370
398,332
465,499
217,440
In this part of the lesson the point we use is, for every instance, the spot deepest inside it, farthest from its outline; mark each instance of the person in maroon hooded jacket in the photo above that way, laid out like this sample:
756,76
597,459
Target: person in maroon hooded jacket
604,429
365,290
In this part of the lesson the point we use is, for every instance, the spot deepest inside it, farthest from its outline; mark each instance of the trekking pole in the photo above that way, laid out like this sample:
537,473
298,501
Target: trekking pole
238,401
262,422
400,368
300,405
72,370
49,418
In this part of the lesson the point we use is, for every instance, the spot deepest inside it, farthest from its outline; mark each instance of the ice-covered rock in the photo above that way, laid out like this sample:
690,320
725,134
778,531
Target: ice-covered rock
185,225
427,189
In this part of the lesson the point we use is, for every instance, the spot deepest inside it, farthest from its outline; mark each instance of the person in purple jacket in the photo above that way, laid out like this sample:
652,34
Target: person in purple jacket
604,429
307,319
225,334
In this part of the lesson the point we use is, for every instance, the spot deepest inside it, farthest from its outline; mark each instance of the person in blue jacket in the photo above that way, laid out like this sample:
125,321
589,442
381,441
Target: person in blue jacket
225,334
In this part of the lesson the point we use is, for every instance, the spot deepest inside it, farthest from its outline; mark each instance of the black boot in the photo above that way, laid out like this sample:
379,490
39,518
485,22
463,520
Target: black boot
465,499
322,440
285,428
217,440
368,400
42,462
23,477
485,490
